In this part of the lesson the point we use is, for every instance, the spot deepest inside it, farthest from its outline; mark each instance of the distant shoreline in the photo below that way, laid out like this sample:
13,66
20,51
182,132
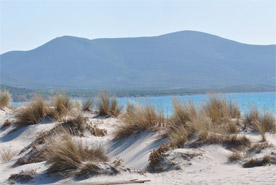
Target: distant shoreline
145,96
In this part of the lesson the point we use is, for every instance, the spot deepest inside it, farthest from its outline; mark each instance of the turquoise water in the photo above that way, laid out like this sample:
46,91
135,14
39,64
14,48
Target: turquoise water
264,101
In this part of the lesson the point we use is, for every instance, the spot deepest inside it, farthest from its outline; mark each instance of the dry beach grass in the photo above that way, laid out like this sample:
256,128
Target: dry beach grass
140,118
108,106
190,128
5,99
32,113
66,155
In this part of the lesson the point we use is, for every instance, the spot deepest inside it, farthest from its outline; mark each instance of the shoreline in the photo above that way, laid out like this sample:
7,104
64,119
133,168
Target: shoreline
149,96
263,100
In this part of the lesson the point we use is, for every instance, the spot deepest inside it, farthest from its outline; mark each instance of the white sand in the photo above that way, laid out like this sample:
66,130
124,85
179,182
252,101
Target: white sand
210,167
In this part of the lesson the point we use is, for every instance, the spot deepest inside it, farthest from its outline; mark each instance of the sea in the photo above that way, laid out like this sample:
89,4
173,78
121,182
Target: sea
264,101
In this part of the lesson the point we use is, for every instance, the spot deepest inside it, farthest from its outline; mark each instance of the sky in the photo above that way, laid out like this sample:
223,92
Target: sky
27,24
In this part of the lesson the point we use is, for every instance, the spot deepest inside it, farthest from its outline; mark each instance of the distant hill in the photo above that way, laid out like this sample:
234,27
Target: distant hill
185,59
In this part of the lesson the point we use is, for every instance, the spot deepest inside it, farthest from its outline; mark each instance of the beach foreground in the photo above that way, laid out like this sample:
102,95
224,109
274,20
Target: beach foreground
149,156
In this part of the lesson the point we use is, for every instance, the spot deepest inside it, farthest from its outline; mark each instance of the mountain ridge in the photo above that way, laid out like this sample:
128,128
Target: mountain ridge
181,59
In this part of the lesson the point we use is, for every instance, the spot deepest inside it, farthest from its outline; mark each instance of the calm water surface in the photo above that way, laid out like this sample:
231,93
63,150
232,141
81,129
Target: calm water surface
264,100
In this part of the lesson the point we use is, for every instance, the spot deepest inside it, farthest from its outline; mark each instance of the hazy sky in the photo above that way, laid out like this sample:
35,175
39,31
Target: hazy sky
28,24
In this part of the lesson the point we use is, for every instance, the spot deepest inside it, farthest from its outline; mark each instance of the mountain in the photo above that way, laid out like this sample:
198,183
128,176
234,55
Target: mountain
186,59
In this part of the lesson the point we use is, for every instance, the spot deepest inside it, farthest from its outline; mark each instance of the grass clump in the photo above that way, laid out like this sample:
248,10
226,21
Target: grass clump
6,124
66,155
267,123
108,106
211,124
62,105
182,123
266,160
178,136
232,128
37,149
32,113
251,119
91,168
5,99
35,155
236,142
260,122
187,123
230,141
220,110
94,130
157,157
22,177
257,148
88,105
235,156
140,118
77,125
182,112
7,154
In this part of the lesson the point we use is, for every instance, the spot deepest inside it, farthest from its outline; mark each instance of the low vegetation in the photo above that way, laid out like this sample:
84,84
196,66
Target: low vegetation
216,122
235,156
66,155
6,154
251,119
88,105
32,113
37,149
230,141
90,169
22,177
266,160
187,123
76,125
220,110
157,158
140,118
257,148
6,124
260,122
60,106
5,99
108,106
178,136
94,130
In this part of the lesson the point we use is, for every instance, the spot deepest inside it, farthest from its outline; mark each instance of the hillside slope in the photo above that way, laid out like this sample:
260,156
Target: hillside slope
176,60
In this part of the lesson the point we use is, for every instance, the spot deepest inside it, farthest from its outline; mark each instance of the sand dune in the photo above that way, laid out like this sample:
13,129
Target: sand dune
207,164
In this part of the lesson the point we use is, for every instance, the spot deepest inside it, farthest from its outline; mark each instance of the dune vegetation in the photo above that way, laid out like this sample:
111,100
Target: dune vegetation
138,118
67,150
6,154
5,99
32,113
108,106
66,155
60,106
88,105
